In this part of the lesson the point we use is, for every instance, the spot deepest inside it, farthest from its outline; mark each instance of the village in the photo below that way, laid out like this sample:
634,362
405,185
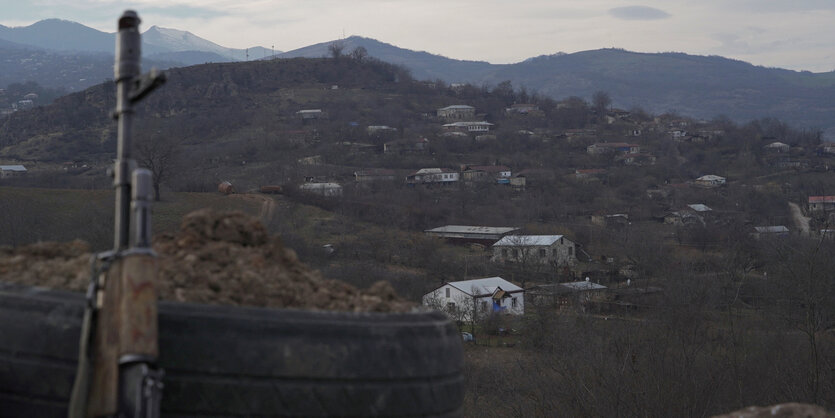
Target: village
594,260
573,271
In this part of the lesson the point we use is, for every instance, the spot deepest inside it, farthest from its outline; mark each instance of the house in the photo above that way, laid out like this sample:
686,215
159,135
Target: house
486,235
519,181
456,112
25,104
790,163
322,189
471,299
636,158
770,231
468,126
699,207
710,180
613,147
572,295
433,176
535,249
617,220
380,129
821,203
310,114
11,170
374,174
826,148
777,147
522,108
498,173
677,134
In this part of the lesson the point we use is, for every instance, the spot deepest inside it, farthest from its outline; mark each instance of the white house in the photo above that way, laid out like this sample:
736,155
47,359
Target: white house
433,175
777,147
306,114
456,112
535,249
461,300
469,126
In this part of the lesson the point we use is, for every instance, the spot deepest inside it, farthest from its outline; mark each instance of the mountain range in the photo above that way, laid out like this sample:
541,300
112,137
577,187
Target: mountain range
695,86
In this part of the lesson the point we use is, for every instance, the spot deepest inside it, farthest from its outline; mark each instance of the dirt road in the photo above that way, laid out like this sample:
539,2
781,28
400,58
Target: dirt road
267,205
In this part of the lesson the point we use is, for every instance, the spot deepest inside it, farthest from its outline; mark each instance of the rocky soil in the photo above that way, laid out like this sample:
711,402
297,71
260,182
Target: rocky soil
216,257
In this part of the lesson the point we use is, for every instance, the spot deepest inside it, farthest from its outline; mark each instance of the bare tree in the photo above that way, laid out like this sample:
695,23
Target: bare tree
159,154
601,102
359,53
336,48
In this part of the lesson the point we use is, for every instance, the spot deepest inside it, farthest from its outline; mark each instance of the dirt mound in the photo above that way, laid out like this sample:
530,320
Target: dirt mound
216,257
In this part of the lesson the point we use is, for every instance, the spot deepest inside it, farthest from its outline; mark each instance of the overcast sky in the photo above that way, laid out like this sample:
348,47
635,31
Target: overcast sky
793,34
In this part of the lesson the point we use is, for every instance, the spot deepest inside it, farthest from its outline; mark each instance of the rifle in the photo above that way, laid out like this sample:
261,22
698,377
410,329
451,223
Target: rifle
117,372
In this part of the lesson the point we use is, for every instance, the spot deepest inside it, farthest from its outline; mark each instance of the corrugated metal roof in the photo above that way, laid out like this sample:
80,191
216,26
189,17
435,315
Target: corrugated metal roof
583,285
12,168
467,229
698,207
488,168
528,240
434,171
461,107
485,286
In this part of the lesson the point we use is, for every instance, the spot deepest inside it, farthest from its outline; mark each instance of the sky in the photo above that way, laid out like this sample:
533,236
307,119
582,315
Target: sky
791,34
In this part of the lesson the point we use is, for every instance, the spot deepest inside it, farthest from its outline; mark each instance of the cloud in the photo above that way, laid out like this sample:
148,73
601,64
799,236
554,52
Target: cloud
638,13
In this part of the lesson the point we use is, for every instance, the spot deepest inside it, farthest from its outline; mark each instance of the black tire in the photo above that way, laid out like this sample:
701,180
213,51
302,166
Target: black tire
232,361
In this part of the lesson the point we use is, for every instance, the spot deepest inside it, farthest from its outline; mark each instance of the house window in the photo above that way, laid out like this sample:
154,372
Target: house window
513,303
570,251
504,252
515,253
484,306
543,252
450,306
447,293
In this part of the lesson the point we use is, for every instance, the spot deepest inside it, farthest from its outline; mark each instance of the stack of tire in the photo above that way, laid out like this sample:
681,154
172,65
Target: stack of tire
237,361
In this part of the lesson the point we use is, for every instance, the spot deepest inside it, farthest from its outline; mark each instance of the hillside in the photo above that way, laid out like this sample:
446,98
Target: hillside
686,262
72,56
690,85
422,65
695,86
